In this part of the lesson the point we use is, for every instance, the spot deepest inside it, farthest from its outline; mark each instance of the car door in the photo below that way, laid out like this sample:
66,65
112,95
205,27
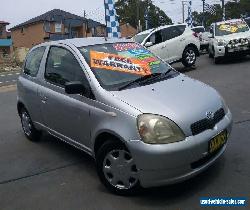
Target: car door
158,47
174,41
66,116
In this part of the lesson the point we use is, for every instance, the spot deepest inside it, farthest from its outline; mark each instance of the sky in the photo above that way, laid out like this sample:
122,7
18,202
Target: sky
18,11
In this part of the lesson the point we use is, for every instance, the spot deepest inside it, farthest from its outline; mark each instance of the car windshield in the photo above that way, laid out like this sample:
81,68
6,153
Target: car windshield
140,37
233,27
118,64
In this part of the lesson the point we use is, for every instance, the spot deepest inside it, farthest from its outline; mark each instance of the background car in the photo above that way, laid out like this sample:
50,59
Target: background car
229,38
248,21
203,36
172,43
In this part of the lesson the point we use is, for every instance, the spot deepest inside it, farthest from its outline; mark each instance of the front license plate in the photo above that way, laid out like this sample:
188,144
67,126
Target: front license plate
217,142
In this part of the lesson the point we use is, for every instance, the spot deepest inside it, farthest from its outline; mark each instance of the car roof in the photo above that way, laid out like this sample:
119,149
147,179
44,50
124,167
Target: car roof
229,21
159,28
83,42
198,27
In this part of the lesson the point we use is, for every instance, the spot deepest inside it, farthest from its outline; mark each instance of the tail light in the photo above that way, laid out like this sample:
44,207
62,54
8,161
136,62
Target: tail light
196,35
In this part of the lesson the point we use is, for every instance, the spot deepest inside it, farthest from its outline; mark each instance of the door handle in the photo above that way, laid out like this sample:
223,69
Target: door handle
164,46
183,39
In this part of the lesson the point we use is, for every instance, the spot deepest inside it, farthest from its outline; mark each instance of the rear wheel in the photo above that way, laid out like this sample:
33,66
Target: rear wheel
27,125
189,57
116,168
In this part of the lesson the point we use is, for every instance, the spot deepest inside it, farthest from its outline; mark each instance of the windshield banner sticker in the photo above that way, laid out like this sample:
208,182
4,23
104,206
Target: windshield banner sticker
142,54
232,27
119,63
126,46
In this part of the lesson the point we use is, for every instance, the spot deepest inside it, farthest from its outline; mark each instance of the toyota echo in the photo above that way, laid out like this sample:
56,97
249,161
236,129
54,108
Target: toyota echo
144,123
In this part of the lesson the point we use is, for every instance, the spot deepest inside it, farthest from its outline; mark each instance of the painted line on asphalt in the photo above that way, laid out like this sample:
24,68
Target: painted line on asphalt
9,74
41,172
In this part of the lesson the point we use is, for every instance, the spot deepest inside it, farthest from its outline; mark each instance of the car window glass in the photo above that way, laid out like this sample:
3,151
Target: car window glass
170,33
33,61
156,37
63,67
181,28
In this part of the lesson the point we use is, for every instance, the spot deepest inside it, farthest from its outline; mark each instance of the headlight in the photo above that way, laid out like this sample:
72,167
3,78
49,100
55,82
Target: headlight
224,105
221,42
155,129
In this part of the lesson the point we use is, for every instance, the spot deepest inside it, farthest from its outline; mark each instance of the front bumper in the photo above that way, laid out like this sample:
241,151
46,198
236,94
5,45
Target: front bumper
221,51
170,163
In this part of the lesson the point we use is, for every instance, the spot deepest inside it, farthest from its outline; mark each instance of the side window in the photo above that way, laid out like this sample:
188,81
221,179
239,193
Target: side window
156,37
181,28
33,61
170,33
63,67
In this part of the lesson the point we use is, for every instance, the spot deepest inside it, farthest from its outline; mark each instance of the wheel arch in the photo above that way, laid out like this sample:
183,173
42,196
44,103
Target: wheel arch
193,46
102,137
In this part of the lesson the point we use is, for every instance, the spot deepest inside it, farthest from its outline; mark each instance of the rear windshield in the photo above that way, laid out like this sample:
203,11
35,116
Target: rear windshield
233,27
115,65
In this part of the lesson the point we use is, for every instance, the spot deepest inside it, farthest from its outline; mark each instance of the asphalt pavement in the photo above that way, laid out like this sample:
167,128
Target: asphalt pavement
53,175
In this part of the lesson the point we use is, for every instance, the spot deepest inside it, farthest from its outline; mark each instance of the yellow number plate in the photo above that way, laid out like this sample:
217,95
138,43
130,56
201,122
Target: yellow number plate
217,142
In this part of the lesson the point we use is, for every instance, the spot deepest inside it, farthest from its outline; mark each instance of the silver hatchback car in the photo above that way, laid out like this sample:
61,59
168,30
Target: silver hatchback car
144,123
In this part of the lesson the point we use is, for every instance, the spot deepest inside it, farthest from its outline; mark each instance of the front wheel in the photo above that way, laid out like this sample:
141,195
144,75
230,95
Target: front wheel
116,168
27,125
189,57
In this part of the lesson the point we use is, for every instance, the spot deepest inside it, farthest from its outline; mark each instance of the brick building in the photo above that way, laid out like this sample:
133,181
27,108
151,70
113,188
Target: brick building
54,25
5,42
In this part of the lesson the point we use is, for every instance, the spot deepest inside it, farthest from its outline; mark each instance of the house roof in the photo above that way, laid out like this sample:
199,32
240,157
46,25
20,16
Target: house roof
5,42
4,22
55,15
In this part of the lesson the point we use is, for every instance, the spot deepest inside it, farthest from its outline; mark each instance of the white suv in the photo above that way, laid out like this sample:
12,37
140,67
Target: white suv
229,38
203,36
172,43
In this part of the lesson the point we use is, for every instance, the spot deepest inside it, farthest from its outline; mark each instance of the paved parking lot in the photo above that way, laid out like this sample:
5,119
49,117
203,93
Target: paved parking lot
53,175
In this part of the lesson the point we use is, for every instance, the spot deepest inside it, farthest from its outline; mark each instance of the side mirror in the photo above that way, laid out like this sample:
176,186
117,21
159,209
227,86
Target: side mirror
148,44
75,88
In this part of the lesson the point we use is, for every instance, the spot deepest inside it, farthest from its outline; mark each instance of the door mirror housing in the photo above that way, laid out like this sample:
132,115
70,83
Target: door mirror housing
148,44
76,87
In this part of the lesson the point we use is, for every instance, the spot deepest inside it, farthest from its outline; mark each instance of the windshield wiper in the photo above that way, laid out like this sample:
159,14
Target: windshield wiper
144,79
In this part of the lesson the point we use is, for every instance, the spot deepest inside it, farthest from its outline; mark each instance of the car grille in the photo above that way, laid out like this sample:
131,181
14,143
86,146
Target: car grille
205,124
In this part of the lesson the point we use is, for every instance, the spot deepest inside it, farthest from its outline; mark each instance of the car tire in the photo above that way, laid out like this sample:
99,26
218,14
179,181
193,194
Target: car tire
217,60
116,168
189,57
28,127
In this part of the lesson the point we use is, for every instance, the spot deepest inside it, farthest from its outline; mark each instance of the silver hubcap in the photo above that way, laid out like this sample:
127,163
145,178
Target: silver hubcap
120,170
26,123
190,56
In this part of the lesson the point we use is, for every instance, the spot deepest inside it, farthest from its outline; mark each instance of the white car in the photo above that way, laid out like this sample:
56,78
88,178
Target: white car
203,36
172,43
229,38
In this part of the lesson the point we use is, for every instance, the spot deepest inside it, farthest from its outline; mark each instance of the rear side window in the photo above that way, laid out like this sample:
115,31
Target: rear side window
182,28
170,33
63,67
33,61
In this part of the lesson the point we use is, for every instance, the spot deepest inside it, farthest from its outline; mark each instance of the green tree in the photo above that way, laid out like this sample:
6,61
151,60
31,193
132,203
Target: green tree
131,11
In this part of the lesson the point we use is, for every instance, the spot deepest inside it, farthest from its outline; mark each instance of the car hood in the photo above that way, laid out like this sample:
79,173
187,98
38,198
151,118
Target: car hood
234,36
181,99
